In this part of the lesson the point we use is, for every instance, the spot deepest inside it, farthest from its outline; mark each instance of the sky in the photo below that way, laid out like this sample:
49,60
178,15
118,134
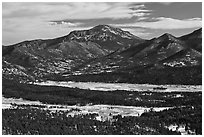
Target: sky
28,21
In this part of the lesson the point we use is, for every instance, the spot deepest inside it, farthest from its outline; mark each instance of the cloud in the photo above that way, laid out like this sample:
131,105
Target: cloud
166,3
21,20
88,10
166,23
21,30
65,23
140,32
47,20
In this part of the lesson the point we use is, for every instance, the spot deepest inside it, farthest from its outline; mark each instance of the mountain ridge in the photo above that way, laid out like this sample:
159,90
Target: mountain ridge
101,49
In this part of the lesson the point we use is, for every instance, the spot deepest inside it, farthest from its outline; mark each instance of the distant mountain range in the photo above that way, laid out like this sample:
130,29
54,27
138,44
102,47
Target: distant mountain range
107,54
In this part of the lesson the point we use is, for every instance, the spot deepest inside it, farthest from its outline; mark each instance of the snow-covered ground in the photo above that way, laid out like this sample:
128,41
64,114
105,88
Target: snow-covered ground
122,86
6,102
104,111
182,129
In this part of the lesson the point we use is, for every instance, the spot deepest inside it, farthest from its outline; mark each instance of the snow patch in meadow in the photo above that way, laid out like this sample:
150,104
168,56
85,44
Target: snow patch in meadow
104,111
122,86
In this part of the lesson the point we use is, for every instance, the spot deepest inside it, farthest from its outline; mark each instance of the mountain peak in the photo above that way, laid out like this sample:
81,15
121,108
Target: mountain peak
167,36
103,26
106,28
102,32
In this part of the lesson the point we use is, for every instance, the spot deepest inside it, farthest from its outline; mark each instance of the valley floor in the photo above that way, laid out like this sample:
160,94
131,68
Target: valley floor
122,86
149,109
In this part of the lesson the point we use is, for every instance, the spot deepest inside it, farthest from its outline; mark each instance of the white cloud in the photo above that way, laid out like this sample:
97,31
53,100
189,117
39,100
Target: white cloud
65,23
166,23
138,32
72,10
21,20
14,32
166,3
